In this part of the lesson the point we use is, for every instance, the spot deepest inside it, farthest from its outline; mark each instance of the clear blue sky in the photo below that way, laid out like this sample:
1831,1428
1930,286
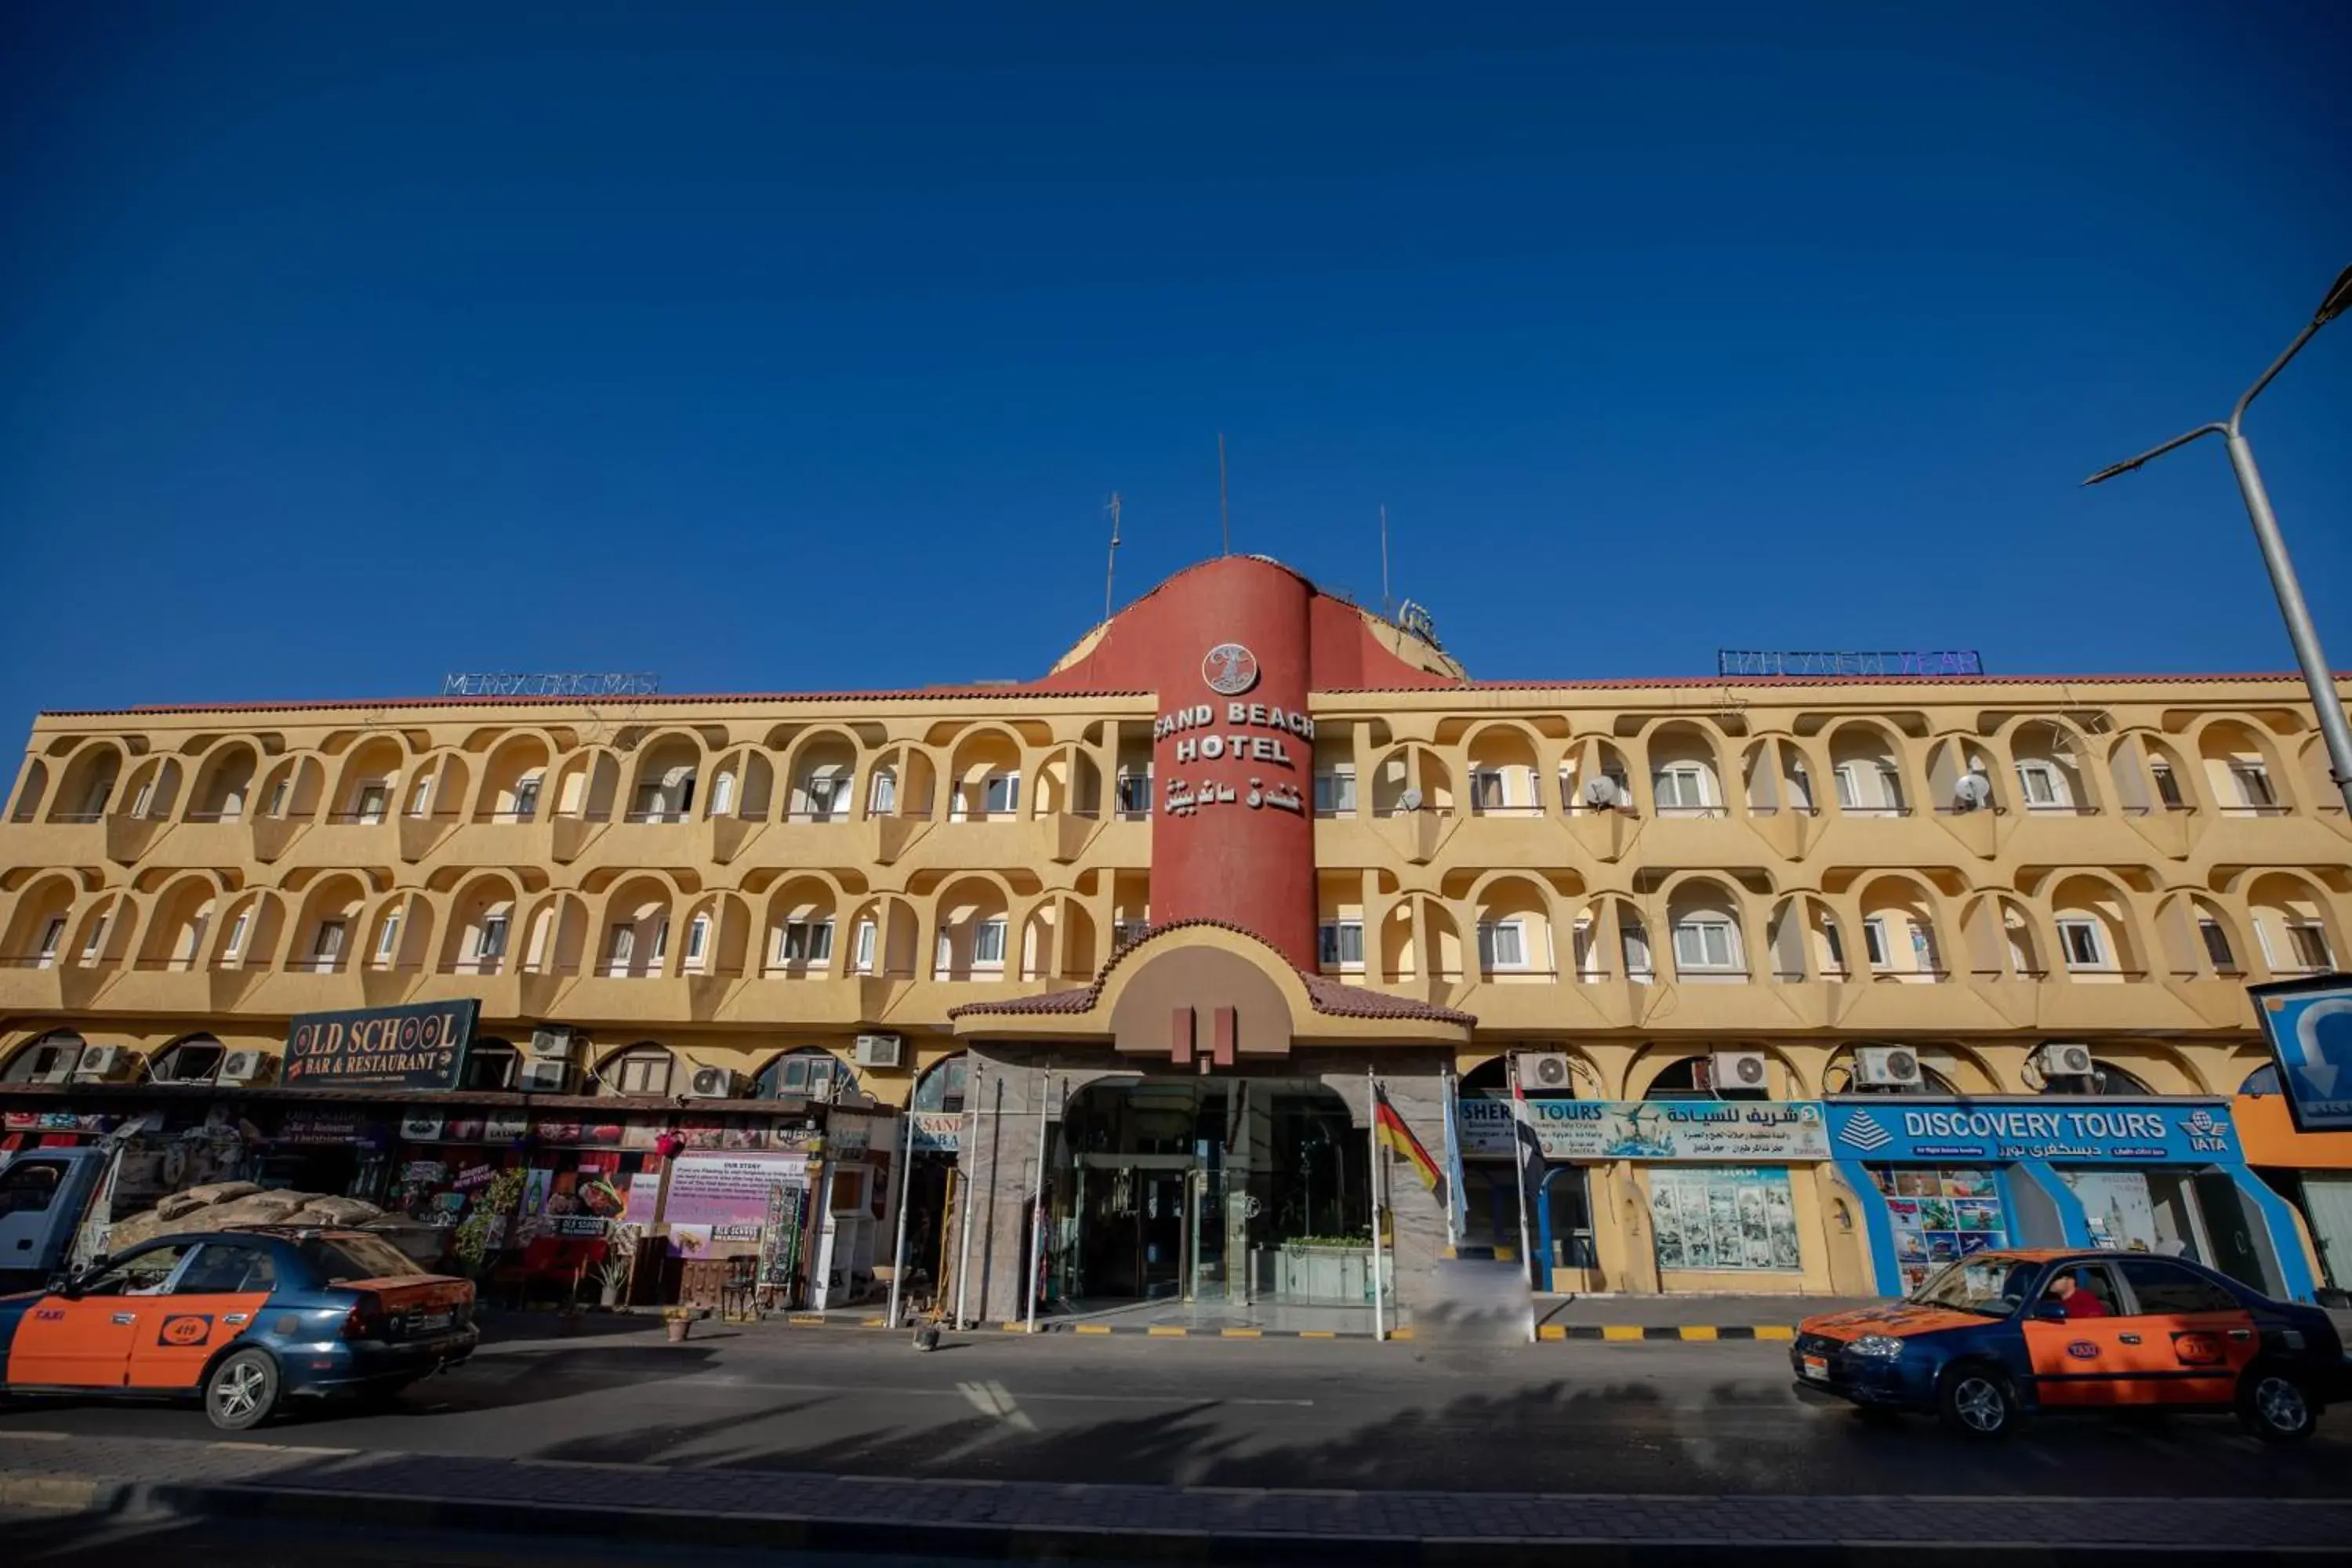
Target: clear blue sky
343,346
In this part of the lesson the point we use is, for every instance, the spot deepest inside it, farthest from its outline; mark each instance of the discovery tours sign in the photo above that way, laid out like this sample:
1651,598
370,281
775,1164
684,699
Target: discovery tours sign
422,1046
1911,1128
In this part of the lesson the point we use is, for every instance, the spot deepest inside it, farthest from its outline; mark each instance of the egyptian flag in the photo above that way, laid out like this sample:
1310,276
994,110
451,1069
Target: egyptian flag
1391,1129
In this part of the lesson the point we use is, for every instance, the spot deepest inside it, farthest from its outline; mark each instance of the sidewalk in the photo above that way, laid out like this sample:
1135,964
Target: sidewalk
800,1512
1684,1316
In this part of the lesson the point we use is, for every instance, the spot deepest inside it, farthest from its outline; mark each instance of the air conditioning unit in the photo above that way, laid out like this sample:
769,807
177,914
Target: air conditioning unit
2063,1060
880,1050
712,1083
1550,1070
551,1043
1887,1067
1737,1069
242,1067
99,1062
546,1077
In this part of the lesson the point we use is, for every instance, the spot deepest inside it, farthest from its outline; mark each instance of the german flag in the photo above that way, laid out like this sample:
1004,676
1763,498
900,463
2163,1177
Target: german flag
1388,1127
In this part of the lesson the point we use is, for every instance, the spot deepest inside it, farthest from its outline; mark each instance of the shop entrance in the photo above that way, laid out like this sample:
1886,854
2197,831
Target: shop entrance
1199,1189
2200,1216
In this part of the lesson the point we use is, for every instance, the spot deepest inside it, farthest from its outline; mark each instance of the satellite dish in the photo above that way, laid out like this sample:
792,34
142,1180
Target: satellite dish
1410,800
1602,792
1973,791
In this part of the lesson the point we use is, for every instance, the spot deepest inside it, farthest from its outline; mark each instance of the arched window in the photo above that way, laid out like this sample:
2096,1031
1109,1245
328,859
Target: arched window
49,1060
944,1086
195,1059
491,1063
2263,1080
642,1068
812,1071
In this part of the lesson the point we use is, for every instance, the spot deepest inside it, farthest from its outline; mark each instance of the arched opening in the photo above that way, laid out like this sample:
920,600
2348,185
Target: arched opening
1502,774
824,780
663,789
1805,940
292,789
1411,779
2201,939
644,1069
514,780
176,933
481,927
224,784
2292,925
944,1084
370,773
1709,947
1685,772
1515,931
32,785
2095,932
1898,931
1694,1078
87,788
323,933
2046,758
193,1058
1595,777
154,787
492,1064
973,921
37,929
2239,777
636,929
1865,769
984,778
2002,940
562,935
1962,777
51,1058
806,1071
802,913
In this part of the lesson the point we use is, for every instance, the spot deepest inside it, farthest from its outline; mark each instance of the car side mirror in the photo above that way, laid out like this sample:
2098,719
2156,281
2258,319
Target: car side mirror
67,1284
2050,1311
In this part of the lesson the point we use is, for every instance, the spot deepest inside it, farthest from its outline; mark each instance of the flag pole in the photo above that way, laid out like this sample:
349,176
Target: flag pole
906,1185
1521,1135
1449,1106
1037,1200
1373,1103
970,1143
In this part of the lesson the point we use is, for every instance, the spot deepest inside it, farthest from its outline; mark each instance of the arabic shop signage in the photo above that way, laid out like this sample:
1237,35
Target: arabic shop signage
2101,1129
1741,1132
2309,1025
1236,742
422,1046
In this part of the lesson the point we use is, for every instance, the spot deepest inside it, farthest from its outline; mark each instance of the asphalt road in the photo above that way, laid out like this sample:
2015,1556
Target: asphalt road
1641,1417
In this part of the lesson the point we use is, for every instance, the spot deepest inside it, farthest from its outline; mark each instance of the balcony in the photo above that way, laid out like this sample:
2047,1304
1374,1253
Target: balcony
508,994
202,841
67,838
601,997
180,987
1508,835
32,983
1698,837
301,986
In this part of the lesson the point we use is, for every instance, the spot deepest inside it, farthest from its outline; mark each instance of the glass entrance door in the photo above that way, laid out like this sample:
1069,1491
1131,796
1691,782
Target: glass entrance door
1204,1235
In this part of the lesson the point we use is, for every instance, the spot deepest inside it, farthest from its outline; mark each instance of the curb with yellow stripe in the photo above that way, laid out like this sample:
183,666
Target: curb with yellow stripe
1687,1333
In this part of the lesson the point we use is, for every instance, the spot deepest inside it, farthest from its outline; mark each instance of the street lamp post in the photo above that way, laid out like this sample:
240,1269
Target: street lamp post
2316,674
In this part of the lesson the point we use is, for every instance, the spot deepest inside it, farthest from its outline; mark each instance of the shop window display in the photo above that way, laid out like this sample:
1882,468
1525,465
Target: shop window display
1940,1214
1728,1216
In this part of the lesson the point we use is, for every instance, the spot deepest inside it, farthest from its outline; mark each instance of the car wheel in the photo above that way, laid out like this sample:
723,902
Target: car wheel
1976,1401
2275,1405
241,1391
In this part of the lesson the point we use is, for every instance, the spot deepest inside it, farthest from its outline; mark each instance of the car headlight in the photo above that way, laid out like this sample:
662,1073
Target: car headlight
1877,1347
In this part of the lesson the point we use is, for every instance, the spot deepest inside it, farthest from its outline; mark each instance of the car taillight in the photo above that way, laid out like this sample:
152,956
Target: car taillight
365,1320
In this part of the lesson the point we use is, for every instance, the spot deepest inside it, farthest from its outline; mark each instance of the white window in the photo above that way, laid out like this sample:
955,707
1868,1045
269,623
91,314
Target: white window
234,947
698,938
2042,785
862,955
1135,794
722,795
327,944
278,796
387,938
526,797
805,942
490,941
661,941
620,949
1000,794
1835,945
142,798
1848,788
1502,945
1874,941
2310,942
824,793
1340,944
1890,787
1636,942
882,797
1487,790
1703,943
51,934
373,798
2252,779
1335,792
646,1072
90,949
988,944
2217,946
2168,788
420,800
2082,943
1683,786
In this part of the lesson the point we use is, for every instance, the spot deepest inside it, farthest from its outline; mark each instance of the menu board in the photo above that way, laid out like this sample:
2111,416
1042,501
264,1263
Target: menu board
1727,1217
1940,1216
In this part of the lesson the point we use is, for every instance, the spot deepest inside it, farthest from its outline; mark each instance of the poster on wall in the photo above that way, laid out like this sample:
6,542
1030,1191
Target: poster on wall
1940,1216
2308,1023
1732,1216
717,1202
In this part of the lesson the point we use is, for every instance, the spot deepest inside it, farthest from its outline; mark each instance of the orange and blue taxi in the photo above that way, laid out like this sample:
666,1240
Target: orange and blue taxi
1999,1335
243,1319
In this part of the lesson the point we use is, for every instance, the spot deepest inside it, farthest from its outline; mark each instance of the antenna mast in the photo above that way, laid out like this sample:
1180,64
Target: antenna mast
1388,606
1111,570
1224,518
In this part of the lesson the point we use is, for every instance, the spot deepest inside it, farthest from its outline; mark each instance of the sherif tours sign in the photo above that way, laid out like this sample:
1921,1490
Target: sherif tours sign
421,1046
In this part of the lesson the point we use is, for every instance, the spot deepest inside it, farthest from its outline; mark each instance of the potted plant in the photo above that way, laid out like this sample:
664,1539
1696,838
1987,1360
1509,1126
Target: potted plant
678,1321
614,1269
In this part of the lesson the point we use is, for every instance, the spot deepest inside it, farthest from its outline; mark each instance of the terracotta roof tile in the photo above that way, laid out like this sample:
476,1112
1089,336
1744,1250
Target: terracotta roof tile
1327,996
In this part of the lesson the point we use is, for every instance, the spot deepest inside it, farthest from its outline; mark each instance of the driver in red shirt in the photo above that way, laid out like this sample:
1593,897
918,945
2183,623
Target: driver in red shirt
2073,1300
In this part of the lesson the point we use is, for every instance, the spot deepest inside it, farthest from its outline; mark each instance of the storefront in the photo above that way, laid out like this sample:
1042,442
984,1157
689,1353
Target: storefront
1946,1178
2312,1171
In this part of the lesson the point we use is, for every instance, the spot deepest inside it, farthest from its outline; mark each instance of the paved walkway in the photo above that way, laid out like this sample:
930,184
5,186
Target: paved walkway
719,1507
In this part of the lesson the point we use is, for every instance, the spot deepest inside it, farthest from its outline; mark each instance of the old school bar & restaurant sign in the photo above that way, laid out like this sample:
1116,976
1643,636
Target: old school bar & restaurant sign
422,1046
